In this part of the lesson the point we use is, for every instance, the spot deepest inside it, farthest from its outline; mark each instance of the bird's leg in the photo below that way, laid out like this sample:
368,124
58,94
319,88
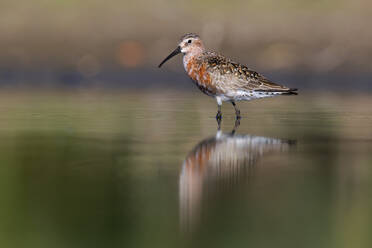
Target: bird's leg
219,114
237,111
237,124
218,124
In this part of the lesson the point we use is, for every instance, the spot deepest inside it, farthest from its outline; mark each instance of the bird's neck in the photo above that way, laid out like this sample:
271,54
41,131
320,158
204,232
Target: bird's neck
191,56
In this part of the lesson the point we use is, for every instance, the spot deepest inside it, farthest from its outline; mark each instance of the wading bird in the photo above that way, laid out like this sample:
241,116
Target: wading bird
221,78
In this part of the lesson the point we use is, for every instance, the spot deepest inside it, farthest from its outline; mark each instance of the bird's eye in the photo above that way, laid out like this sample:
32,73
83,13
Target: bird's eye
189,41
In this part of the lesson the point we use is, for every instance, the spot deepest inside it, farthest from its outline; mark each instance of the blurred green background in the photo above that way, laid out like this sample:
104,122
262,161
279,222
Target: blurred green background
313,44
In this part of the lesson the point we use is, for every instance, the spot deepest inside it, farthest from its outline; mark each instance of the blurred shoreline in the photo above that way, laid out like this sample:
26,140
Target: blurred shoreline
317,45
154,78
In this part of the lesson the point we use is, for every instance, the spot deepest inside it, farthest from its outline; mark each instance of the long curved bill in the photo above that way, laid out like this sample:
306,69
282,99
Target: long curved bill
174,53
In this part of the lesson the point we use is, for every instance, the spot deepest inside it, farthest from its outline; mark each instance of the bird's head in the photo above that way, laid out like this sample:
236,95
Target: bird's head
189,44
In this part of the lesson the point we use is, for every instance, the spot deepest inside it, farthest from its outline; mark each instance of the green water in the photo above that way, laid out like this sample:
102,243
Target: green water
99,169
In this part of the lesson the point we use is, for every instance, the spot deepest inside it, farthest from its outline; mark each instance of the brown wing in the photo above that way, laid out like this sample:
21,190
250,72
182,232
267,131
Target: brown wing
240,76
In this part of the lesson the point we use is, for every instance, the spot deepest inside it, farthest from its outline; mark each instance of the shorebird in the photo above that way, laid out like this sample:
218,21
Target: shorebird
222,78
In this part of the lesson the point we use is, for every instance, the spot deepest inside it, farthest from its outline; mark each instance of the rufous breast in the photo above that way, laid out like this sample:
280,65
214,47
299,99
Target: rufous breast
198,72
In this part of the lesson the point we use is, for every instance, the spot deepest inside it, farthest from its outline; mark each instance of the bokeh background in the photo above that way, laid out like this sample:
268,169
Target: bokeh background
321,44
94,137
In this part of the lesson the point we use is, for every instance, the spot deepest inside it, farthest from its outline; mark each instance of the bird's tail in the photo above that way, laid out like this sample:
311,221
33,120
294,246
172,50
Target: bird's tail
291,91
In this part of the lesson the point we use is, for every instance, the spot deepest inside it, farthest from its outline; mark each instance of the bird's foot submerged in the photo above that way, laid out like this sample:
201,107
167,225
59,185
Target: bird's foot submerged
237,111
237,124
219,120
219,116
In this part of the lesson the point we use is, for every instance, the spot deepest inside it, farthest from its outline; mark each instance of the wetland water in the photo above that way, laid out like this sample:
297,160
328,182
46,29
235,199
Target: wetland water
93,169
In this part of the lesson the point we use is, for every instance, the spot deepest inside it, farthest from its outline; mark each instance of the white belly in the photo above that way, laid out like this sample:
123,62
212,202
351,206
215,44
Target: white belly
241,95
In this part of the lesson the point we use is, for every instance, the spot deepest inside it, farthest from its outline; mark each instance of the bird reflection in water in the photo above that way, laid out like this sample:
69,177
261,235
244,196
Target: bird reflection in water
223,160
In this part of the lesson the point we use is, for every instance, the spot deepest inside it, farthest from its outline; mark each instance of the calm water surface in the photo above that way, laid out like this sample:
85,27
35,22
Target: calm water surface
93,169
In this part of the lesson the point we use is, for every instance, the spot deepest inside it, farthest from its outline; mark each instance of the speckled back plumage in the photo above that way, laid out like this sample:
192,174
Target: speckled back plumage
215,74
